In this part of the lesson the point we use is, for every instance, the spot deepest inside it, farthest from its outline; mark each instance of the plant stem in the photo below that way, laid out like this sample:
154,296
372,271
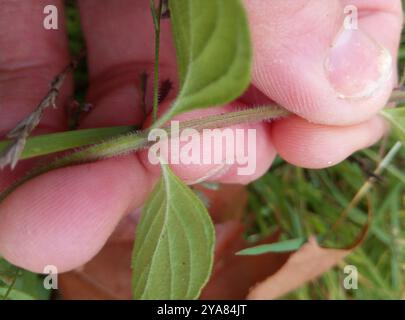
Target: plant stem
134,141
24,128
385,162
33,149
156,15
10,288
144,89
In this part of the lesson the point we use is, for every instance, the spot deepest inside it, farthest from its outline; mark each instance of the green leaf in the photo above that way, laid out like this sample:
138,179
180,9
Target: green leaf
213,52
174,247
14,294
57,142
396,117
282,246
27,285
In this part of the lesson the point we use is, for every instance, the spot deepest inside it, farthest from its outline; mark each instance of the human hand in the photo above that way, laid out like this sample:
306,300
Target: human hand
335,87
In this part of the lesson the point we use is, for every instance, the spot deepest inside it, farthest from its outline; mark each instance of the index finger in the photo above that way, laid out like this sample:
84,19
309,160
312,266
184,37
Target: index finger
30,58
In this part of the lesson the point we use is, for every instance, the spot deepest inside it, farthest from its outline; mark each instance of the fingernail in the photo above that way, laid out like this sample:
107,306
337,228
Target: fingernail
357,66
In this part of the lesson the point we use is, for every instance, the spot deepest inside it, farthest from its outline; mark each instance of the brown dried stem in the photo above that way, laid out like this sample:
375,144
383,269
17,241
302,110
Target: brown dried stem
24,128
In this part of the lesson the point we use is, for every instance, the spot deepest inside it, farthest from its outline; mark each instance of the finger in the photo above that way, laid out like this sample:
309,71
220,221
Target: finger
64,217
318,146
309,62
115,71
30,58
120,40
40,223
73,211
238,154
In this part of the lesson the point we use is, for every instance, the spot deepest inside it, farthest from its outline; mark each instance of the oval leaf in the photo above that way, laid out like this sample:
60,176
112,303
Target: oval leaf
213,52
174,245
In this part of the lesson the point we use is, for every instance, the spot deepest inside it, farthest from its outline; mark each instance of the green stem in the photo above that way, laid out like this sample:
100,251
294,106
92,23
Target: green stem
10,288
56,142
156,15
134,141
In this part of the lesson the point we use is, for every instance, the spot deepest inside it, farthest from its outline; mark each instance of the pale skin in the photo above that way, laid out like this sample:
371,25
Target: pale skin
64,217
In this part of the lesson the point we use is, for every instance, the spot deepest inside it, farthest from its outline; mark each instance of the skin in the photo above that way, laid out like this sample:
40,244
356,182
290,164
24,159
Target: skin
65,217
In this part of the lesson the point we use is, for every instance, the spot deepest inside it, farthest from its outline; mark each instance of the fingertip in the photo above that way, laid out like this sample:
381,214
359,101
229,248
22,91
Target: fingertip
315,146
64,217
319,68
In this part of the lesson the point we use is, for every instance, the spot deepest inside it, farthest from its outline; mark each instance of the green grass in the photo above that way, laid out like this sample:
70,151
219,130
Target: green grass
308,202
304,202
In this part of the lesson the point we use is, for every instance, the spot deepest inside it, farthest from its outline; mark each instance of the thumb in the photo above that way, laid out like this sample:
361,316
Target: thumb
326,61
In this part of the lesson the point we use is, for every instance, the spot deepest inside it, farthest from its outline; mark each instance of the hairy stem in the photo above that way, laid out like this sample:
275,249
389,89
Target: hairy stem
135,141
156,15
